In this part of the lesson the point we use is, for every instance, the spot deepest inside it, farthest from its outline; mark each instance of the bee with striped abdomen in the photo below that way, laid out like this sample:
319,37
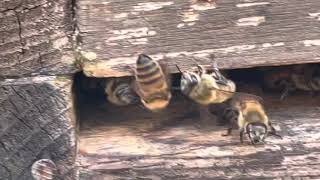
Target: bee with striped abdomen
120,91
152,83
248,113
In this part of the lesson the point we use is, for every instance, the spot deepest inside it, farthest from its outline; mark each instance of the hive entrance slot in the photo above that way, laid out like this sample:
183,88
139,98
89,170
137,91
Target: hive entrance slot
95,110
121,142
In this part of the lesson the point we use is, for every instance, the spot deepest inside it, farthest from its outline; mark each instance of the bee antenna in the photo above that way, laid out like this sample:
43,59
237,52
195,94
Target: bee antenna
215,64
180,71
178,68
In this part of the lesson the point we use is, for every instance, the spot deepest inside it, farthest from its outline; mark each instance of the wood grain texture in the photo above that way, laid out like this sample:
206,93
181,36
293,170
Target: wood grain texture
36,119
240,33
35,37
179,145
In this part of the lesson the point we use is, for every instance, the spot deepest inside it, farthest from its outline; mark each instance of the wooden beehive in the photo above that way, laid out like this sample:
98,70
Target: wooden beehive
44,43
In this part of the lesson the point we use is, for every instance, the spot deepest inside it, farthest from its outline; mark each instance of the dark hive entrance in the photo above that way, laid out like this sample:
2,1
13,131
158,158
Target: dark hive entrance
302,79
94,108
132,143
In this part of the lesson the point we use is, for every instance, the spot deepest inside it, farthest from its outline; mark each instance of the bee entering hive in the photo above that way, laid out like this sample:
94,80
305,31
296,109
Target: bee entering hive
122,138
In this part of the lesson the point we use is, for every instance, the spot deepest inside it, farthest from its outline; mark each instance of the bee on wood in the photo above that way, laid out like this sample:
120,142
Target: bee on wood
43,169
290,79
206,88
120,91
248,113
152,83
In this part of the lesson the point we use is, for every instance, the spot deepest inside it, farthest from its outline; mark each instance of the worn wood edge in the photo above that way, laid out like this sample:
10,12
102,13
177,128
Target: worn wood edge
125,65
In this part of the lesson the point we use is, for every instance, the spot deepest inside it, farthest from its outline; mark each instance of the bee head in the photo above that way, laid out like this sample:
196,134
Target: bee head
188,81
256,132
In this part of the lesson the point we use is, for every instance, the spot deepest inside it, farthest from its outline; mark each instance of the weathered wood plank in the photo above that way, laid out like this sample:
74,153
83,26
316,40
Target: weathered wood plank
176,145
36,118
240,33
35,37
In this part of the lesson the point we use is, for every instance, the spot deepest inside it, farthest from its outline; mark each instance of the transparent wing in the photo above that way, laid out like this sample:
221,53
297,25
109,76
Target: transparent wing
165,69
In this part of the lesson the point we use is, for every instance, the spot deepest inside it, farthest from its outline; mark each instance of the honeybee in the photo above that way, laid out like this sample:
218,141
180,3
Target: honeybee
152,83
248,113
120,91
206,88
289,79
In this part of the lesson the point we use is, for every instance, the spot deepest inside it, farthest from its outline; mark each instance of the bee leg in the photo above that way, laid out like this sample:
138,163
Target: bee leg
229,131
287,88
241,135
275,134
273,131
231,117
284,94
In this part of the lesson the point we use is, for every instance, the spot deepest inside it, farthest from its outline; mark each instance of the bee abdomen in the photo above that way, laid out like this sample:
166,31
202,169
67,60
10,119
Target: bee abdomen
150,79
126,94
149,73
121,92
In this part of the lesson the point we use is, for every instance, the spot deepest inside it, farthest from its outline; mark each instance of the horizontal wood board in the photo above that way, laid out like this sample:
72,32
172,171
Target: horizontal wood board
240,33
178,145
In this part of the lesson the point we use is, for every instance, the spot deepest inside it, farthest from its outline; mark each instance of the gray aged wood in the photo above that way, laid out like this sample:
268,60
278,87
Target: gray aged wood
35,37
176,145
36,120
240,33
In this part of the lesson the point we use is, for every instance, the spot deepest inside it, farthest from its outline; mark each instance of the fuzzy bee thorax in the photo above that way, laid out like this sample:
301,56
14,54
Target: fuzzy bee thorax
254,112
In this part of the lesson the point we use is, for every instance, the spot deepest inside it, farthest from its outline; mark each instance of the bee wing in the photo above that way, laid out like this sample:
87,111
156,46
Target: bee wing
135,85
165,69
216,74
